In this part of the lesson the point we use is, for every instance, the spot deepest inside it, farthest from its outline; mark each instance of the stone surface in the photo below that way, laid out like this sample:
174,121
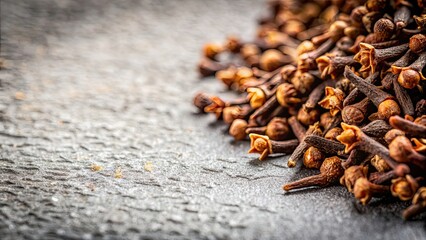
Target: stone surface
111,83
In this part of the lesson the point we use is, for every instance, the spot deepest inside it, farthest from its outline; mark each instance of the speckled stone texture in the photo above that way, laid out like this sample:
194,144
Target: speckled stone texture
111,83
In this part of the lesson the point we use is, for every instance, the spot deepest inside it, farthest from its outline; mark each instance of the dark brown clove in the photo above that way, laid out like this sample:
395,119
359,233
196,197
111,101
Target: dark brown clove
355,157
364,190
405,60
369,57
330,173
268,106
229,114
277,129
301,148
317,93
404,187
207,67
333,66
392,134
308,116
387,107
298,129
333,122
202,100
264,146
355,93
287,95
409,77
306,61
415,130
403,98
377,128
352,174
418,206
272,59
326,145
352,137
355,113
402,14
402,151
383,29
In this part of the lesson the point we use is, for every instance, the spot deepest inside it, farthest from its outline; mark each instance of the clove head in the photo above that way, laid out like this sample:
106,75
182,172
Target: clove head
418,205
350,136
418,43
202,100
333,133
326,119
303,81
352,174
271,59
333,100
313,158
408,77
400,148
384,29
379,164
211,50
278,129
238,129
366,57
308,117
233,44
404,187
227,76
388,108
392,134
304,47
325,66
260,144
287,72
216,106
332,169
231,113
353,115
364,190
287,95
257,97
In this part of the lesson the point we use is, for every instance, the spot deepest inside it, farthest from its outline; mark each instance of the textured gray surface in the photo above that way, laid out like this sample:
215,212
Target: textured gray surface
111,82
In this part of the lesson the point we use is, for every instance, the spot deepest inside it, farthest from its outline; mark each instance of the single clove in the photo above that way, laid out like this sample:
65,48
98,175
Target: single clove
330,172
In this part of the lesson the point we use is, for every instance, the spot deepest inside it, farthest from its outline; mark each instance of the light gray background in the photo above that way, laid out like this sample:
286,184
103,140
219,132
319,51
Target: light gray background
111,82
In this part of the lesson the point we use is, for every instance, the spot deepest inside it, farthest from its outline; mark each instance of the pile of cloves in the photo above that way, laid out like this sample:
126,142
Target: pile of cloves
338,84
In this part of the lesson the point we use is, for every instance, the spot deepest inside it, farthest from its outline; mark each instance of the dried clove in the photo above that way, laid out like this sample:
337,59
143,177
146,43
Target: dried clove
364,190
264,146
330,172
418,206
303,146
387,107
356,64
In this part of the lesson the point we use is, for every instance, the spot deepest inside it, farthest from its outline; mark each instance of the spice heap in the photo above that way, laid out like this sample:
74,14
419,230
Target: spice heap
337,84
